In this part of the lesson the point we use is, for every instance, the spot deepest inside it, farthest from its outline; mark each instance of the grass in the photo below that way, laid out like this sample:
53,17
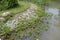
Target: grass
34,25
22,6
30,26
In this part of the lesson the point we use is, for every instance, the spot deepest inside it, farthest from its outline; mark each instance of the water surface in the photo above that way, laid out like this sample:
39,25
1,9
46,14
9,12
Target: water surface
53,32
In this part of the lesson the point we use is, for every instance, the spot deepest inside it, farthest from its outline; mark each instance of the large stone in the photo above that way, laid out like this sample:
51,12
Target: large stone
6,14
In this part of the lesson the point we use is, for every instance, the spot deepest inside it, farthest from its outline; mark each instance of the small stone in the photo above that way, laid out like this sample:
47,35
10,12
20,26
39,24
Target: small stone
0,38
37,39
5,14
28,10
2,19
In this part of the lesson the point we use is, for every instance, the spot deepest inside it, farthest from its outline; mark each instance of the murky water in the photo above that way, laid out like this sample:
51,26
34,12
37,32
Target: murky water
53,32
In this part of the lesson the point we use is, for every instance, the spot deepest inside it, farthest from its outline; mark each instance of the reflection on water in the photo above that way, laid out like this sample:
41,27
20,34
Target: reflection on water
52,10
53,32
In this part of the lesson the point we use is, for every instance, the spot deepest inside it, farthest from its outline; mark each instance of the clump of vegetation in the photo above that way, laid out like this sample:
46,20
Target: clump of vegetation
6,4
4,30
22,7
34,26
38,1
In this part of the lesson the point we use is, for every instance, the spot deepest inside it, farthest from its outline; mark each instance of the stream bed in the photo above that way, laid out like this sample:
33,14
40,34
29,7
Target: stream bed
53,32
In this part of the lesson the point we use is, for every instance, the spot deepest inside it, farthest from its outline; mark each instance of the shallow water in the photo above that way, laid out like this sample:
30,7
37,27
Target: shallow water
53,32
